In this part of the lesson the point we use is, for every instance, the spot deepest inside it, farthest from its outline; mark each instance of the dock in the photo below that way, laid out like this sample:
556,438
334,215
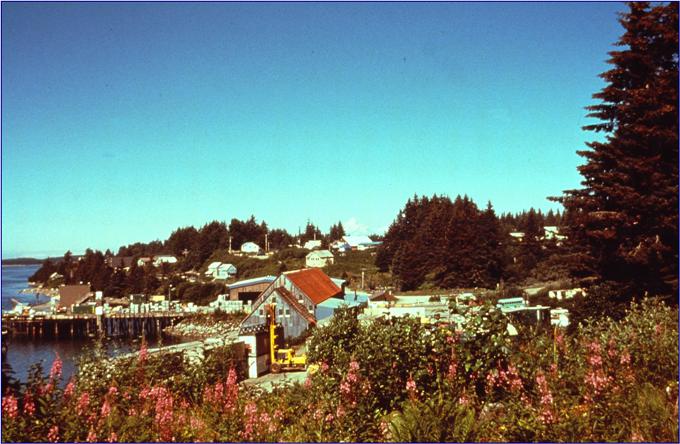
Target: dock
90,325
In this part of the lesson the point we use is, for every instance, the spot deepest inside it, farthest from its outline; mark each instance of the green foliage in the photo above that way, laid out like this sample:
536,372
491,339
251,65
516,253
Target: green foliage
334,343
438,419
626,215
199,293
609,381
455,240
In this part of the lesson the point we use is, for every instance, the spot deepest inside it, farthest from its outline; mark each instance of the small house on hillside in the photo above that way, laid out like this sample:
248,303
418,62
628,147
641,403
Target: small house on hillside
225,271
164,259
319,259
296,296
251,248
142,261
212,269
312,244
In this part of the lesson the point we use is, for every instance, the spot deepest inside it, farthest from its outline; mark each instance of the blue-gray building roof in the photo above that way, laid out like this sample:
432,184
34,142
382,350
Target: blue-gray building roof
253,281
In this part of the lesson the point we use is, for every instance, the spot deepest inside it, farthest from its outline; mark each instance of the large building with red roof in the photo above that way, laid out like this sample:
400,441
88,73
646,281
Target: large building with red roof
296,295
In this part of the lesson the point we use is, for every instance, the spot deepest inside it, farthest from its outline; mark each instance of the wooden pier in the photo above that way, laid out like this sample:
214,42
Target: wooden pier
83,326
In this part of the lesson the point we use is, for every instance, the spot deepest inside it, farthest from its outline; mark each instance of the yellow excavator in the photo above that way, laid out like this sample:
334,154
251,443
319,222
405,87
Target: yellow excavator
283,359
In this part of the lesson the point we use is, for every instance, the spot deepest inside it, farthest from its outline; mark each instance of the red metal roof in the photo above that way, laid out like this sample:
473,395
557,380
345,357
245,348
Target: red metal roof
290,299
314,283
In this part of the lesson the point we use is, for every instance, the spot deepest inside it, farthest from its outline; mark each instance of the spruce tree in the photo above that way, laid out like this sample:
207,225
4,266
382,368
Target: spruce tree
626,214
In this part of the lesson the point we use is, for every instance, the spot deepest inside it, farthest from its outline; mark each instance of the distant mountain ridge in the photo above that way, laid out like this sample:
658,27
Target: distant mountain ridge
25,261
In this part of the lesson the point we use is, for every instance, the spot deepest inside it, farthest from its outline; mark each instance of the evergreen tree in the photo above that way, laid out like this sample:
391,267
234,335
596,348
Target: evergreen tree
626,214
135,280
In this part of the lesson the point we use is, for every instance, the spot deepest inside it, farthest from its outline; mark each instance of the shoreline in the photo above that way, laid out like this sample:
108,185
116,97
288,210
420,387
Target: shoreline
49,292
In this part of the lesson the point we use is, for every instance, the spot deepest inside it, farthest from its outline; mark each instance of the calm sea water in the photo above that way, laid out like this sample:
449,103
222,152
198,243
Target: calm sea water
24,352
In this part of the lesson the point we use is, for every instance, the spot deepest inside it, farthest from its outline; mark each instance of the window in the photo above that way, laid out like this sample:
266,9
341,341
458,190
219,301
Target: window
280,311
287,311
261,312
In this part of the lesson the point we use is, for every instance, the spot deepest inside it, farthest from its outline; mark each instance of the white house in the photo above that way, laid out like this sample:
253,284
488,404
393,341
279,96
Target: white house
553,232
517,235
319,259
225,271
312,244
358,242
164,259
340,246
142,261
212,268
251,248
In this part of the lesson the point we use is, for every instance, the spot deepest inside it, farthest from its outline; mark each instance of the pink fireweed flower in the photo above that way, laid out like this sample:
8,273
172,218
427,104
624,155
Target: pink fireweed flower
83,403
113,391
329,418
53,434
47,388
345,388
546,414
250,413
354,366
514,380
625,358
231,390
324,367
163,409
143,354
10,407
308,382
385,430
70,388
318,414
29,405
411,387
113,437
55,371
595,360
451,373
91,436
339,412
106,409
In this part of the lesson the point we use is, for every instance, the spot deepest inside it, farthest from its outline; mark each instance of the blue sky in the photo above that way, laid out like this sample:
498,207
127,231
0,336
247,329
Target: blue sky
122,122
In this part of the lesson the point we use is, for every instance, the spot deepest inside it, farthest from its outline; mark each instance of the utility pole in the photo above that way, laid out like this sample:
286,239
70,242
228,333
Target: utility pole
266,242
362,278
229,244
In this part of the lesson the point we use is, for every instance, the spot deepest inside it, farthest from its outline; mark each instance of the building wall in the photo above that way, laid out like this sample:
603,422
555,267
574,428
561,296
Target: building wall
292,322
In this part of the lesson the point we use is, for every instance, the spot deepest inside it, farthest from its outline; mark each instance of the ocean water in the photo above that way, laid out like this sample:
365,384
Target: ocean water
22,353
15,279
